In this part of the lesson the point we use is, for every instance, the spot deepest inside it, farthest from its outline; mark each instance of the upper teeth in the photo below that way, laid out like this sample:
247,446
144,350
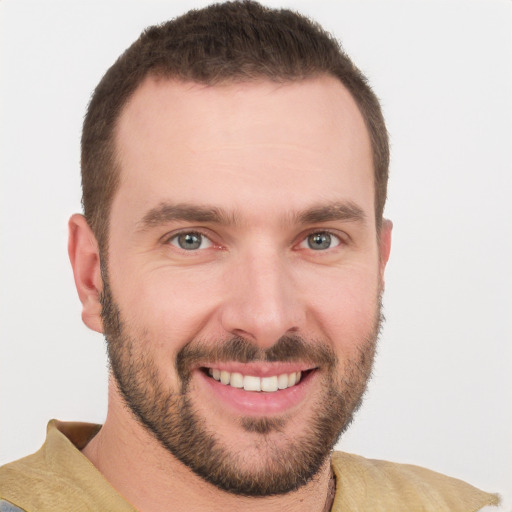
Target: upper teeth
252,383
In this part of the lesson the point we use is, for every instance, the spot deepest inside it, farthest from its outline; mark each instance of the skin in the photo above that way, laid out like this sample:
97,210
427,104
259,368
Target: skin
262,153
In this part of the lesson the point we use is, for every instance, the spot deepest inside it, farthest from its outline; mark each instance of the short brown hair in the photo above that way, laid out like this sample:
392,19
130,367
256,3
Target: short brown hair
233,41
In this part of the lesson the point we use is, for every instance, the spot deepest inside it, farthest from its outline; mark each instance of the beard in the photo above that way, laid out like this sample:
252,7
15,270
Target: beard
285,463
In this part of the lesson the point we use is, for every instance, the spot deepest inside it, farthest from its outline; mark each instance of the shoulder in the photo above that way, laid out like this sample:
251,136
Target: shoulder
29,476
369,484
59,477
28,470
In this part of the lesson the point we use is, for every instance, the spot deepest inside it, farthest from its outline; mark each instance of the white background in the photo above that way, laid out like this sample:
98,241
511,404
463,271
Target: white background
441,395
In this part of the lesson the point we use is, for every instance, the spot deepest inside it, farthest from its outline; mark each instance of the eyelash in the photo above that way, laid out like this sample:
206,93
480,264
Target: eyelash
303,240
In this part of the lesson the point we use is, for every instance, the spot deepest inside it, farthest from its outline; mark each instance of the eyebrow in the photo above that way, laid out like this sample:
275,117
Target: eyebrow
168,212
341,211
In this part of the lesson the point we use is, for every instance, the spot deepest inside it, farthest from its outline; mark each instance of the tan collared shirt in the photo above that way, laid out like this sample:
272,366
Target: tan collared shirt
59,478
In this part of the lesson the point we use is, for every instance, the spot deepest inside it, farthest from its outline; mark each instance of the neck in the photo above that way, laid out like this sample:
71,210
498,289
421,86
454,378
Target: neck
152,479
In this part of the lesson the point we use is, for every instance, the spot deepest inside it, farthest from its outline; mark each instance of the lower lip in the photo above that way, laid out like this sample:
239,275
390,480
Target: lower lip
259,403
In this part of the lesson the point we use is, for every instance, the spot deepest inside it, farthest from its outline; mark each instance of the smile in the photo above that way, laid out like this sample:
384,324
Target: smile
257,389
269,384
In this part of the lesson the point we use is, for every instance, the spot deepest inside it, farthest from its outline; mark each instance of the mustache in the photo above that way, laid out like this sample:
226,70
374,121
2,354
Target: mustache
289,348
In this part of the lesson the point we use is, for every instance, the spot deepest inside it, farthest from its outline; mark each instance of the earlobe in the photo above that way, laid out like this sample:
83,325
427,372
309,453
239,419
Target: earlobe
384,246
85,259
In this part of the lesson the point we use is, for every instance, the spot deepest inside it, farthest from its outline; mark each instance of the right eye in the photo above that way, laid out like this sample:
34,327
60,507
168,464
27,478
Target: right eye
190,241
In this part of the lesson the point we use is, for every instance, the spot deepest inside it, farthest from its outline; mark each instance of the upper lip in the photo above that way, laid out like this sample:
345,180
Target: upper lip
259,369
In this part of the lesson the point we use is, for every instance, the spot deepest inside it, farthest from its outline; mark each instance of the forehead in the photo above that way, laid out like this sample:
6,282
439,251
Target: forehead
244,143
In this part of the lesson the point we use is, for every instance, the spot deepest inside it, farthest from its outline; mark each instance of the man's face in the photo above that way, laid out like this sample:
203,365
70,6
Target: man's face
243,255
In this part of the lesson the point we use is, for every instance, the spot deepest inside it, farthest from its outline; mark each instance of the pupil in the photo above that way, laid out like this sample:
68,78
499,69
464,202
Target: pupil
319,241
189,241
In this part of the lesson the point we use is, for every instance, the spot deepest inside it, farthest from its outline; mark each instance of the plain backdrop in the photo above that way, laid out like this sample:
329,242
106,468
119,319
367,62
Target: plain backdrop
441,395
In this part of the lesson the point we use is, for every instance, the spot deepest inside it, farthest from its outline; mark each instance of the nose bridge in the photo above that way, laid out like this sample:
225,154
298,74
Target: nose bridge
263,304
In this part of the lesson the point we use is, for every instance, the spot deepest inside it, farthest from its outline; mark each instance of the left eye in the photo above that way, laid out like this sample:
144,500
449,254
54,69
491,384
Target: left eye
190,241
320,241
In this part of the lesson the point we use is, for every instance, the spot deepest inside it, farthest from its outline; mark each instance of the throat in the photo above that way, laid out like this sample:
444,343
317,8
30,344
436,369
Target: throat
331,493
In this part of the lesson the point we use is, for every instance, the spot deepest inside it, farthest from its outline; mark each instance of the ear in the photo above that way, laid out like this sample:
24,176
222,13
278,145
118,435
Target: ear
384,247
85,259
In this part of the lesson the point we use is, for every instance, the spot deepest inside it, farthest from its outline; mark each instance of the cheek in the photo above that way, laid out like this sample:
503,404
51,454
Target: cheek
346,307
170,305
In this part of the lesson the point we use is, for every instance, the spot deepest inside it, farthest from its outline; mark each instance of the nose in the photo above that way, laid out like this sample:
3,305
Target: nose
263,302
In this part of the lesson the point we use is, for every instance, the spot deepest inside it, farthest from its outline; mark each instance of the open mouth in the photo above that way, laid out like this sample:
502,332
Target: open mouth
269,384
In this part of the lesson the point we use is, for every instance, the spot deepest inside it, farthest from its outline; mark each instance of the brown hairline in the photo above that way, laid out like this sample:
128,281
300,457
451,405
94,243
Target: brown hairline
230,42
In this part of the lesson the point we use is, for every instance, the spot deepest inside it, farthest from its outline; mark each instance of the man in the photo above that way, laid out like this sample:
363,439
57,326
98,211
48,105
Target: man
234,171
